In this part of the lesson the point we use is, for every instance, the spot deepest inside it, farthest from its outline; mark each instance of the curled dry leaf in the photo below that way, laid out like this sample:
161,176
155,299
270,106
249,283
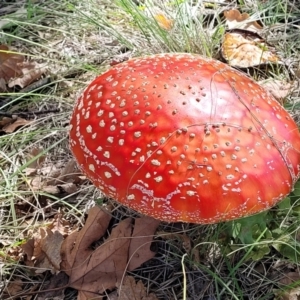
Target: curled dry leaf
92,272
289,279
13,288
5,121
9,64
278,88
235,19
245,49
31,71
60,224
69,174
129,290
43,251
52,181
37,163
14,125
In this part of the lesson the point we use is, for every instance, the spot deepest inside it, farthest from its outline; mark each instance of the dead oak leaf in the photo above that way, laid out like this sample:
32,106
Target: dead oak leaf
290,279
5,121
60,224
235,19
245,50
36,157
130,290
278,88
142,236
14,125
104,267
9,63
54,287
76,247
43,251
31,71
92,272
13,288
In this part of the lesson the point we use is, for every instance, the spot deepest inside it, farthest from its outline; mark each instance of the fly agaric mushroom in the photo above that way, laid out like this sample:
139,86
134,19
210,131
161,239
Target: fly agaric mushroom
180,137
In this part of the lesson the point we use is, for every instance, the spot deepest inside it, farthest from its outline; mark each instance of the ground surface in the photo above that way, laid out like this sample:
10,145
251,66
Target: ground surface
58,48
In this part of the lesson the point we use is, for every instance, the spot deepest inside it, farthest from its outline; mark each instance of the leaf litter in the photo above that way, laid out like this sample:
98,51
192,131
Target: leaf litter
92,270
14,70
43,251
10,125
242,45
126,282
130,290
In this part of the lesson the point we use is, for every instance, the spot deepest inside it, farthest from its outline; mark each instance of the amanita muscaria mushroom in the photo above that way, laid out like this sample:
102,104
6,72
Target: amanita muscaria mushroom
184,138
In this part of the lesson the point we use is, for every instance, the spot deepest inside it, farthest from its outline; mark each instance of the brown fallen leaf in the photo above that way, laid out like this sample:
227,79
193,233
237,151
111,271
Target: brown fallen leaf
43,251
142,236
292,294
235,19
2,85
60,224
34,152
36,183
9,64
69,174
92,272
76,247
69,188
278,88
289,294
31,72
52,286
5,121
289,278
245,49
52,181
129,290
13,288
50,189
16,123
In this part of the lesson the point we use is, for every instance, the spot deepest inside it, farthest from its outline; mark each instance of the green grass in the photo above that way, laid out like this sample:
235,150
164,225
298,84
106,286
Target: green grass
243,259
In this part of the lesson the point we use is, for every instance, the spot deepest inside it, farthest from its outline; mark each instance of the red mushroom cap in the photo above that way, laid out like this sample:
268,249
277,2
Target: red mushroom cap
183,138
